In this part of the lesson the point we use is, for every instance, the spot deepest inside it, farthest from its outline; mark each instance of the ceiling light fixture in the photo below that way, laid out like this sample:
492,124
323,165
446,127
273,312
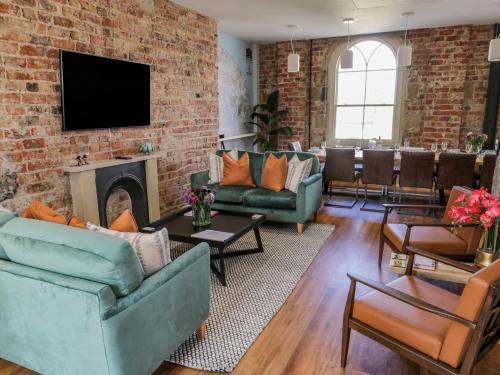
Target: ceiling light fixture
494,51
346,60
293,58
405,51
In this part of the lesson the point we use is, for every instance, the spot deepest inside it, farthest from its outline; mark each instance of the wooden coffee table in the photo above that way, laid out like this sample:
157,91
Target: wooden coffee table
180,229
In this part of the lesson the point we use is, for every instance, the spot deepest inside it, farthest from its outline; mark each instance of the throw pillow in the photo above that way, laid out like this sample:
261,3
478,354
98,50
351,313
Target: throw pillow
216,166
152,249
297,172
275,173
3,209
237,172
76,222
125,223
39,211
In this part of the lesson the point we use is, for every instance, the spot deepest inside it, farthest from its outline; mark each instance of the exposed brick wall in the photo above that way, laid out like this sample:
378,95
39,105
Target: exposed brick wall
180,44
446,85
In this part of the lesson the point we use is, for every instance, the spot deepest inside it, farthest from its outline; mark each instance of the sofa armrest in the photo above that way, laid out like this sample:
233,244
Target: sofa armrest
188,262
103,292
199,179
310,180
309,197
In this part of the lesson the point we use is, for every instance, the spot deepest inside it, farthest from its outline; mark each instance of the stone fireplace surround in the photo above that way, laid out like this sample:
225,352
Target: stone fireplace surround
91,186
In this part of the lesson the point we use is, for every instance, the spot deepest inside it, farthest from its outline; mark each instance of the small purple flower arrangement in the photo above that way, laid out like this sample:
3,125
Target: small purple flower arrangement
200,200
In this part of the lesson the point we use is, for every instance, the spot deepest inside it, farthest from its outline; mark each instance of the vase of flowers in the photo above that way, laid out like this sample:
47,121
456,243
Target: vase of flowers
483,209
475,142
200,200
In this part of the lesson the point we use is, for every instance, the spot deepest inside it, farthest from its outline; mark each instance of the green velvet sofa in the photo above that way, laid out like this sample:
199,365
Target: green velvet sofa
76,302
284,206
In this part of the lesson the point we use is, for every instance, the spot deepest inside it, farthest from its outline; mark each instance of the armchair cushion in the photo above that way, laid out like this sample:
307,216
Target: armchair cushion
436,239
270,199
469,307
414,327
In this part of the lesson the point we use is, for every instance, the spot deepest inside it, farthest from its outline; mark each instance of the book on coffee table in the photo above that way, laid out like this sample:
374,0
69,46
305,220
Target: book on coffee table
212,213
214,235
419,262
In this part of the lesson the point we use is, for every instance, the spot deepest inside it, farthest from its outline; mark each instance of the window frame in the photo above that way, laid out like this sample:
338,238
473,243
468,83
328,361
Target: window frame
332,63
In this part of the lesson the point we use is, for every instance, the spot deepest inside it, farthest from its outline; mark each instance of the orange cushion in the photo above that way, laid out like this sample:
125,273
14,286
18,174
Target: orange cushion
275,173
414,327
125,223
76,222
237,172
39,211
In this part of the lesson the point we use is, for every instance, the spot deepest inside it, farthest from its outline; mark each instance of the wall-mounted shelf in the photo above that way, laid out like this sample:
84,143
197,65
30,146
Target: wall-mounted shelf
236,137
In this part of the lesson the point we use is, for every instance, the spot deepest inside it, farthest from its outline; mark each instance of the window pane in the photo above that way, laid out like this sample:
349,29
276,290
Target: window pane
349,123
381,87
358,61
367,47
378,122
382,58
351,88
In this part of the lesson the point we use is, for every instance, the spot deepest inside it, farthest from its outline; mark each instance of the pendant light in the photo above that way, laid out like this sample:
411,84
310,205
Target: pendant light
293,58
405,51
347,58
494,51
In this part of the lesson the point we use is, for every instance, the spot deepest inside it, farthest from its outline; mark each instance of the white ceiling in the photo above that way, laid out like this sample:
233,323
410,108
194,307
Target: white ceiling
267,20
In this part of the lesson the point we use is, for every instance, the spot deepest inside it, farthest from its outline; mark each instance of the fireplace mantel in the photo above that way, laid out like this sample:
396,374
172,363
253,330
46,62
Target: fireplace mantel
84,190
110,163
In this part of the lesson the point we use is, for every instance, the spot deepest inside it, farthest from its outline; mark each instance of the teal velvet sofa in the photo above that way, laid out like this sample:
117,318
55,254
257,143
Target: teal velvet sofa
284,206
76,302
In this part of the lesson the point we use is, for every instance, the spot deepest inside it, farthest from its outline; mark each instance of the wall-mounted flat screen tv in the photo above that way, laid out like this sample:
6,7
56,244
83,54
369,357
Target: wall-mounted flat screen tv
100,92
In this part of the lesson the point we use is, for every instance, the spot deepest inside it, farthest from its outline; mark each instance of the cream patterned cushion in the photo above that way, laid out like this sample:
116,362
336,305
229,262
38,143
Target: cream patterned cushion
297,172
152,249
216,166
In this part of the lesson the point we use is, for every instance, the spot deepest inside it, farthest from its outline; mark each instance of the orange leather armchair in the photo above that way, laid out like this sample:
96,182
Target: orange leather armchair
440,331
440,238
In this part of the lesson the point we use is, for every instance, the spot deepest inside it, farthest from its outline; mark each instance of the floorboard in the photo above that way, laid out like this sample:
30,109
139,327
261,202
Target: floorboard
304,337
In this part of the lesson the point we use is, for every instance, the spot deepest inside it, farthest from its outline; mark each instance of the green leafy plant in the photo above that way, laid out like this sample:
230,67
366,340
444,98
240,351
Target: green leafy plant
267,117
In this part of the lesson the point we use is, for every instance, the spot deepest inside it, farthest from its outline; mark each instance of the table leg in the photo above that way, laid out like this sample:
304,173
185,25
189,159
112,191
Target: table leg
260,247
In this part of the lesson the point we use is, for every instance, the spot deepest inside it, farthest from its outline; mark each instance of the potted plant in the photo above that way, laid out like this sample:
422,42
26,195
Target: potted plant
266,117
200,200
475,142
483,209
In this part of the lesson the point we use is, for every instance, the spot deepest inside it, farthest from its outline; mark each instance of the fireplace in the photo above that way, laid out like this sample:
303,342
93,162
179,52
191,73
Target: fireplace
93,185
129,177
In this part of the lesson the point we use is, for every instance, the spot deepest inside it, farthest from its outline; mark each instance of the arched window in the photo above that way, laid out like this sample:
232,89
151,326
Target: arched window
365,95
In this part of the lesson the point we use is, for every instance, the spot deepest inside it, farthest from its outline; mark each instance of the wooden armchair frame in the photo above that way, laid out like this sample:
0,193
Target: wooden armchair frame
485,331
409,225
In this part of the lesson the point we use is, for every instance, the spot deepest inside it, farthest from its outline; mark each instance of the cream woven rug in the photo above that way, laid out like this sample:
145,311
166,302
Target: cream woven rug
257,286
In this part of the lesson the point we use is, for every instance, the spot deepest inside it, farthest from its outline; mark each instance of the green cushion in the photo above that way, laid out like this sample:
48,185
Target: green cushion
264,198
256,164
73,252
4,218
229,194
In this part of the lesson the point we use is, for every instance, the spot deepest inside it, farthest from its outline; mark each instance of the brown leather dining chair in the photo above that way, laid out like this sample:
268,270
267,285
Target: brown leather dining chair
439,238
487,170
454,169
340,167
442,332
417,171
378,169
294,146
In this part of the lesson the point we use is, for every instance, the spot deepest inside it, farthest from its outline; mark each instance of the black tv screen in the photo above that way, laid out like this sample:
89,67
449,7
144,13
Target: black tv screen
100,92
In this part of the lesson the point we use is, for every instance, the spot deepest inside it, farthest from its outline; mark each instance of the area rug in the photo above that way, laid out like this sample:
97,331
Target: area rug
257,286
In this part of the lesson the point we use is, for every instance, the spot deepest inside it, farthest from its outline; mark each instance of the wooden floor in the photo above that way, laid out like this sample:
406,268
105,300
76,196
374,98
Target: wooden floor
304,337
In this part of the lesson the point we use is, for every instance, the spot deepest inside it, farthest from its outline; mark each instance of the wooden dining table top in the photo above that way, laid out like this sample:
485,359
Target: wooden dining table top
321,154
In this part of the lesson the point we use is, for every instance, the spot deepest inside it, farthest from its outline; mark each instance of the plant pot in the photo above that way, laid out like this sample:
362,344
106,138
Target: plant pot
484,257
201,215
